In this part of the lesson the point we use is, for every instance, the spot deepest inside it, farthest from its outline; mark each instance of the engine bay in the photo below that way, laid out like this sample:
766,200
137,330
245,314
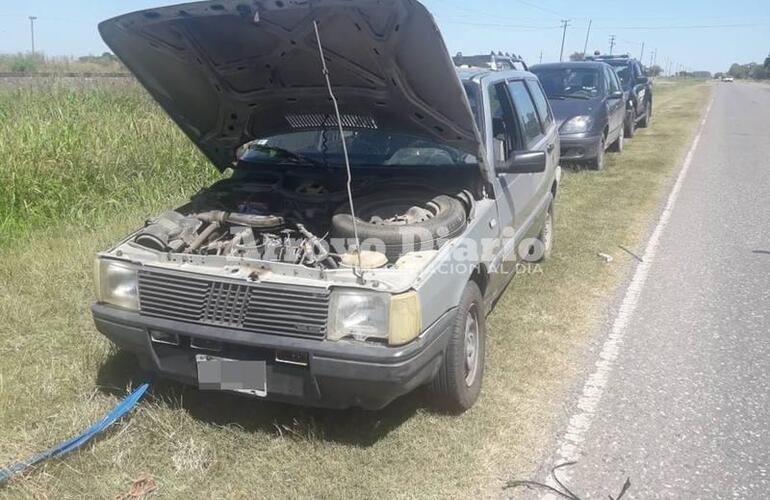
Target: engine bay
306,220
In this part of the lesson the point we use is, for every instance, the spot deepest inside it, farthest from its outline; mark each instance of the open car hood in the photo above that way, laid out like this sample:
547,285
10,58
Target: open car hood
231,71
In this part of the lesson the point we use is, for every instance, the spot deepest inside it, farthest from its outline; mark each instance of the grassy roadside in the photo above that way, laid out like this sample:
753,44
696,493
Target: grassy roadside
57,375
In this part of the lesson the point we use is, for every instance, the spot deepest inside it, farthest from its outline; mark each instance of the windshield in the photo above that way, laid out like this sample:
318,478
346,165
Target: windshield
570,82
365,148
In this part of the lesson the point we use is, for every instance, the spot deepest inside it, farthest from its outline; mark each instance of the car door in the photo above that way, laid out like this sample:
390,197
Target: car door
640,90
518,127
615,106
537,134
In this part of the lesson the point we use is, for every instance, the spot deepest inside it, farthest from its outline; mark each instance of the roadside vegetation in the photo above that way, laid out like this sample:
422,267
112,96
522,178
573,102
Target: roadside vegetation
83,164
29,63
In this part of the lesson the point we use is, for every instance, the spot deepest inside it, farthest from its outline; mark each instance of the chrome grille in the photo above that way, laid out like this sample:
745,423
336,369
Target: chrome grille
258,307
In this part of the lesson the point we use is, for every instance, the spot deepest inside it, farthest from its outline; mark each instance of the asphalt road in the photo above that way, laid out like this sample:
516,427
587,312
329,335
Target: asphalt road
685,411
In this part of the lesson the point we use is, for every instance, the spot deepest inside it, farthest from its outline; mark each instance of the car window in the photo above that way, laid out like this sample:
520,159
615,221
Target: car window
504,124
612,80
562,83
541,103
472,91
526,111
625,74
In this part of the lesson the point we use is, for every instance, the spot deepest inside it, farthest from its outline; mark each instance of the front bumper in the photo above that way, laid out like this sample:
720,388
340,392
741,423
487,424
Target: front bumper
338,374
579,147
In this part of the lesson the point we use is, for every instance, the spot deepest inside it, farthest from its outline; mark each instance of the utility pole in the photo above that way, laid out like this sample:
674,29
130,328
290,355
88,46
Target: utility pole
565,23
652,55
641,56
541,57
32,32
612,43
588,34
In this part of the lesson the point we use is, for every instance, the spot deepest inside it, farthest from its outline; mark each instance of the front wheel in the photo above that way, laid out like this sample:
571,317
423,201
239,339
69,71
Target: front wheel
598,162
617,146
458,382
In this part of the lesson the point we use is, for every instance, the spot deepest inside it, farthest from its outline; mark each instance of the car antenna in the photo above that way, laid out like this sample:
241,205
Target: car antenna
357,272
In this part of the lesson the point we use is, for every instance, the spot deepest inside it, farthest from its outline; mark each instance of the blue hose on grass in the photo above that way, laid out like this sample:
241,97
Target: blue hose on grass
124,407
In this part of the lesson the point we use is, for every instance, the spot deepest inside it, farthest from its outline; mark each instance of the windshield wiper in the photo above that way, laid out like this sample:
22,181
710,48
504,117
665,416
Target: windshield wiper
283,154
569,96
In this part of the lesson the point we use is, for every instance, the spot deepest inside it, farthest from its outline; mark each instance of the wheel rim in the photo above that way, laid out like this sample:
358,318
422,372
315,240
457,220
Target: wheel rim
471,346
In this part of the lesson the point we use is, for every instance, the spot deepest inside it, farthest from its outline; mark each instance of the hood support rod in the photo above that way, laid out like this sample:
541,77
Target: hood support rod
358,272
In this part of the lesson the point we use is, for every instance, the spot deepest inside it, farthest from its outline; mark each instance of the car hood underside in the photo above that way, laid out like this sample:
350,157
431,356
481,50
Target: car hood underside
231,71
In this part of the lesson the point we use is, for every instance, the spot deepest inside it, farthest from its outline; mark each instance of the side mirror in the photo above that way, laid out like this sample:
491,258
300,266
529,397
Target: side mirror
642,80
618,94
524,162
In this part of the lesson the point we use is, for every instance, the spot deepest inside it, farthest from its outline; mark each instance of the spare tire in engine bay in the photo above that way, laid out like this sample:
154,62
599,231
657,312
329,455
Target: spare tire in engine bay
399,221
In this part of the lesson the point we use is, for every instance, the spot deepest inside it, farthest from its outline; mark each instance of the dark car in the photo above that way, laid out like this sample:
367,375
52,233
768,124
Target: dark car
587,100
638,90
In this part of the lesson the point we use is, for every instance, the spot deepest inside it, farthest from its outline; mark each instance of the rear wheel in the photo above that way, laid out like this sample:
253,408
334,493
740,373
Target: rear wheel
546,236
630,126
458,382
647,118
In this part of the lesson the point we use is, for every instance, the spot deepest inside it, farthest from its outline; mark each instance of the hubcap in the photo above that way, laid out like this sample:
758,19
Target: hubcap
471,346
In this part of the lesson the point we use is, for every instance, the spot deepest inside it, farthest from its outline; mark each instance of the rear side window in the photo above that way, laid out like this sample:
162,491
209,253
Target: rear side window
541,103
526,111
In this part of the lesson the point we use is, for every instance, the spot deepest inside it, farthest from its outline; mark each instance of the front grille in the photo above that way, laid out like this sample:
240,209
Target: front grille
257,307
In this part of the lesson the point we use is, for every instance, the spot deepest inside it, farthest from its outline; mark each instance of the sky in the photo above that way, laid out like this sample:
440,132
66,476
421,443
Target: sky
688,34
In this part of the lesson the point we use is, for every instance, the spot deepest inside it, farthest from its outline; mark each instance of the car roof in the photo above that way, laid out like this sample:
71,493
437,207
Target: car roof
467,74
570,64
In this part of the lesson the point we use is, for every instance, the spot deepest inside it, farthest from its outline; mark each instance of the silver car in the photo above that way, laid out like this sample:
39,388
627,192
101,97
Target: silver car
379,203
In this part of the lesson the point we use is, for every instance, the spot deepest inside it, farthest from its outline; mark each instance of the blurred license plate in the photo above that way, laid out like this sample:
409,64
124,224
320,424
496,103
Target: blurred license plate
221,374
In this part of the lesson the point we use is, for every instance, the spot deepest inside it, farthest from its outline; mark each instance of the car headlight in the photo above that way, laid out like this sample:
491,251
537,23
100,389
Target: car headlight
577,125
364,315
116,284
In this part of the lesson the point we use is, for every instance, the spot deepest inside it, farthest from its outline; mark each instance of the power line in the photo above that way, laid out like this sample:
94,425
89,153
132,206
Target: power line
692,26
500,25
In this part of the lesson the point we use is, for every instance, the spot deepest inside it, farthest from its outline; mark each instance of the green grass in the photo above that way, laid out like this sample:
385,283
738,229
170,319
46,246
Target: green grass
80,153
57,374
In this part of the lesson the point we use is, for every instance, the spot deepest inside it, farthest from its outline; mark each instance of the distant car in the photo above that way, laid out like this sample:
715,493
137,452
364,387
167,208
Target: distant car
587,100
728,79
638,90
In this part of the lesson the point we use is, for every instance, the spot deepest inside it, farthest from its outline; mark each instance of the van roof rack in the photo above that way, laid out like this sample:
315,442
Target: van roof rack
495,62
607,56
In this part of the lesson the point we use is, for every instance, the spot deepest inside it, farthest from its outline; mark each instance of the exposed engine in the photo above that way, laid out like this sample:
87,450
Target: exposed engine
283,219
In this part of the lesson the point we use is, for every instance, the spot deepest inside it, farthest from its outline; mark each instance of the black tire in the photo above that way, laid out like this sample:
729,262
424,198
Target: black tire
630,125
647,118
617,146
448,220
598,162
457,386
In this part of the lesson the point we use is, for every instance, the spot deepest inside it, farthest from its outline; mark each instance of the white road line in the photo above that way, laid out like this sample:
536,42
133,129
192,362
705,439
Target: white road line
568,449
